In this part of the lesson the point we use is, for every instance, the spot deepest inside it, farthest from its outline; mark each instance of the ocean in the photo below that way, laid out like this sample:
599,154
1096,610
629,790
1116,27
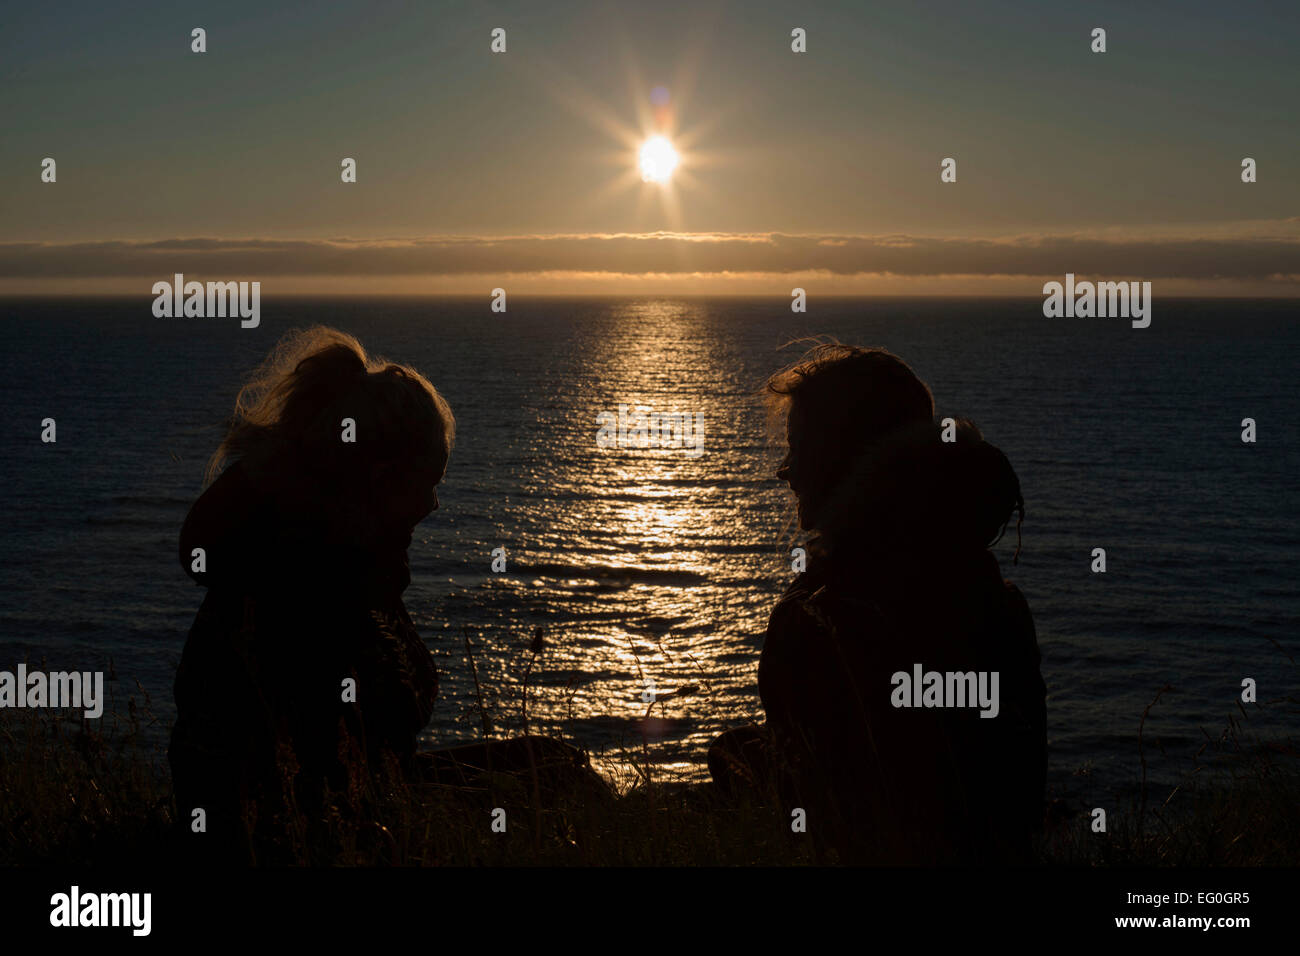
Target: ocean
654,564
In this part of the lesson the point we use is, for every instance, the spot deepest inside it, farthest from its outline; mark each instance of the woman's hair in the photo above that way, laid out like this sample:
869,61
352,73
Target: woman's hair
874,385
868,391
864,408
291,411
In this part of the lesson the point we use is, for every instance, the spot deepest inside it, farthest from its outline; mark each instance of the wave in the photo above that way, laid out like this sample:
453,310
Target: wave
152,501
607,572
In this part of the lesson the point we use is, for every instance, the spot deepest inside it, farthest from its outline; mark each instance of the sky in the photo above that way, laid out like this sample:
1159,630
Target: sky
819,169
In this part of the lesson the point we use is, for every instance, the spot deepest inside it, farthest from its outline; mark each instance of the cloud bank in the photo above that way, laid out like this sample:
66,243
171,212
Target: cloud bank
1273,257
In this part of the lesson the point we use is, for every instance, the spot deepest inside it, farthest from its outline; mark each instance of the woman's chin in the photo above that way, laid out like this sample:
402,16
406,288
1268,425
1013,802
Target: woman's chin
394,540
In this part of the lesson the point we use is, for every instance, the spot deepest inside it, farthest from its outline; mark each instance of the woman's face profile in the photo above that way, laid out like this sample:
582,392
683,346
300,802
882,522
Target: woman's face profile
406,492
793,469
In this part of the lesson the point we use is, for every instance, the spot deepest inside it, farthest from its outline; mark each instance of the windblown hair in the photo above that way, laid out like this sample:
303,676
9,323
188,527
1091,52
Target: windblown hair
291,410
874,435
873,388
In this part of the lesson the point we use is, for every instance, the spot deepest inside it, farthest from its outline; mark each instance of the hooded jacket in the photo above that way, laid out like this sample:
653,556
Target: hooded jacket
902,576
294,608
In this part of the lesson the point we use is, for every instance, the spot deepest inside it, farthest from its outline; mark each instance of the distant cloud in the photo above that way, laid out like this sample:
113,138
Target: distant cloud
1275,255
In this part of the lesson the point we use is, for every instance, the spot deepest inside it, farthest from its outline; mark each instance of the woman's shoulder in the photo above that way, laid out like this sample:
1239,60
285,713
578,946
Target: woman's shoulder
209,545
820,608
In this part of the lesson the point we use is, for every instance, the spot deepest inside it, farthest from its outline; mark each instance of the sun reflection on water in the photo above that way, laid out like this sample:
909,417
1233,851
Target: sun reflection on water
650,564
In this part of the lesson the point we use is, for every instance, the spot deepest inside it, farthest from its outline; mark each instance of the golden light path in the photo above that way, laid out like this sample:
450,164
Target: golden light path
654,513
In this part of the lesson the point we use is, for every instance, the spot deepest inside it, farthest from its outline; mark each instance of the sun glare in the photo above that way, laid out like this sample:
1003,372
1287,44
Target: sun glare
658,160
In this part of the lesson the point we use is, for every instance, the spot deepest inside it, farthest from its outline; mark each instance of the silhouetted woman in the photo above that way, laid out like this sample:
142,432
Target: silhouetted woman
900,574
303,670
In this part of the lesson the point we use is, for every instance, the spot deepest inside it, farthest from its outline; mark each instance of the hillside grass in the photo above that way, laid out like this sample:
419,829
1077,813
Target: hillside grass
78,792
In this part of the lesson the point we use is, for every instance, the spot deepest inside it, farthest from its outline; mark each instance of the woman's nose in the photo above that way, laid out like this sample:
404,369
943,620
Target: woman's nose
784,471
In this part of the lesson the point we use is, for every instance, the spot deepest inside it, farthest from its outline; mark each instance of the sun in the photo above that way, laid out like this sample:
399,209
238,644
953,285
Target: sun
658,160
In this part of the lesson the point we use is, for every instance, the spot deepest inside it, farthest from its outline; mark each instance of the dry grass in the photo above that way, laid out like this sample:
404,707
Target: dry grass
78,792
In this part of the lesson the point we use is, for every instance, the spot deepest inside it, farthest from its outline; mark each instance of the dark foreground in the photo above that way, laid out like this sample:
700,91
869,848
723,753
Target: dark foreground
73,796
